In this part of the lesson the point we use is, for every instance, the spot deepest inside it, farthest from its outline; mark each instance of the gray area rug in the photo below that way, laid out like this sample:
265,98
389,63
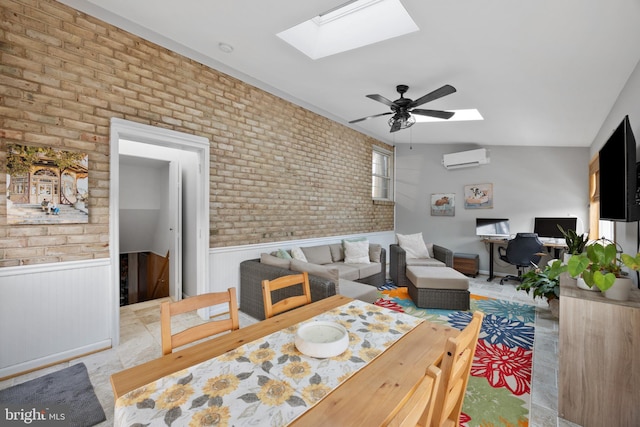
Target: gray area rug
62,398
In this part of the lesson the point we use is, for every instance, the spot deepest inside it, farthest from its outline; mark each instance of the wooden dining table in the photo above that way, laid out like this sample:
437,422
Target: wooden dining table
367,398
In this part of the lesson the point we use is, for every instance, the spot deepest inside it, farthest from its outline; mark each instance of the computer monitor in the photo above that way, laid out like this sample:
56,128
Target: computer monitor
492,227
548,227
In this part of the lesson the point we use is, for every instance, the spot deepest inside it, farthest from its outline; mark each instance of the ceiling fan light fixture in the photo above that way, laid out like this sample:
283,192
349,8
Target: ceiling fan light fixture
401,121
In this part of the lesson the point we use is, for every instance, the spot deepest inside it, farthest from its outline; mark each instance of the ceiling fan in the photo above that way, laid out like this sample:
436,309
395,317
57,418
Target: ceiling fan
402,108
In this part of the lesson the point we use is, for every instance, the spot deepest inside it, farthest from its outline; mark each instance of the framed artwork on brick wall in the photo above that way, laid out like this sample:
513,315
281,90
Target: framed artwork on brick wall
478,196
443,204
46,185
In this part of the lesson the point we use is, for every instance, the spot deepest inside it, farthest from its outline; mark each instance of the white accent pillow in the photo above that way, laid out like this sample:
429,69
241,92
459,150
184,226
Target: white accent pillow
413,245
297,253
356,252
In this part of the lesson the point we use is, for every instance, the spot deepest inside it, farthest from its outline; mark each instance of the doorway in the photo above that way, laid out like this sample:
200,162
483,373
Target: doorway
191,153
150,219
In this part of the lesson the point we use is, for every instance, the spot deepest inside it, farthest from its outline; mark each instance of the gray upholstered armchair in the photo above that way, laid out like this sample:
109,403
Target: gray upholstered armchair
440,257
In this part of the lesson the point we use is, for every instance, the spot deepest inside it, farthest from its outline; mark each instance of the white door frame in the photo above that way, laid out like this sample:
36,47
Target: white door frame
127,130
175,225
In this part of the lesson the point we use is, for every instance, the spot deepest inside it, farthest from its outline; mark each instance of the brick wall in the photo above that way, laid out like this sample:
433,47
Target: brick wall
278,172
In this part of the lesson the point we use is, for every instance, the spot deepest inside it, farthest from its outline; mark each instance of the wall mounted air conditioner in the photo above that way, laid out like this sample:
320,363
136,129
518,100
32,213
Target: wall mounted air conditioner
466,159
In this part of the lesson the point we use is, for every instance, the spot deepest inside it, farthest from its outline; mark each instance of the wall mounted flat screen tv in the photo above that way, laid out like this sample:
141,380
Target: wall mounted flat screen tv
548,227
492,227
618,175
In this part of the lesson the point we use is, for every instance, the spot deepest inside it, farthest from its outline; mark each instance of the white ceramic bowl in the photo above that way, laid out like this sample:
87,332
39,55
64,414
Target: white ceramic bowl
322,339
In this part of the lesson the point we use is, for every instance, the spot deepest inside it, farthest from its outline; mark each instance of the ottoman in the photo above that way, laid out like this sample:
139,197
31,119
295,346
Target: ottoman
438,287
356,290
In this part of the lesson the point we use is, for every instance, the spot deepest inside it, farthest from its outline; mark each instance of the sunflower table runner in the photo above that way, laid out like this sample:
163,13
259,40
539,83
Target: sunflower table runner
267,381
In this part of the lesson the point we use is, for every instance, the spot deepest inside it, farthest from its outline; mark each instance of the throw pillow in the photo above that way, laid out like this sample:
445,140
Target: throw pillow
283,254
352,239
275,261
430,249
318,254
337,252
326,272
414,245
297,253
375,250
356,252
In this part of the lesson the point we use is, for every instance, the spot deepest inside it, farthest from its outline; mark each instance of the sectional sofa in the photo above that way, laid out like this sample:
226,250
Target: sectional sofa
329,267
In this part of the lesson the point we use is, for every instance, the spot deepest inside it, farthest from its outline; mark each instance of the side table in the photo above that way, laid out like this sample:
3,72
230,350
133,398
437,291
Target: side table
468,264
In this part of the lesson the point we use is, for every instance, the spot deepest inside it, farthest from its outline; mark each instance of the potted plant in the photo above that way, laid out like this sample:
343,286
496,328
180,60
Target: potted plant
575,242
601,265
544,283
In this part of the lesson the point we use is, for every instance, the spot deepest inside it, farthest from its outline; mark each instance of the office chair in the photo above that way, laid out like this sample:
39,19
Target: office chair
521,251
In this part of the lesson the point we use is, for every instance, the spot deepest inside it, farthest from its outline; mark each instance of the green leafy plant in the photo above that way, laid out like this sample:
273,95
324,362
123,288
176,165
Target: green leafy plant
575,242
543,282
601,264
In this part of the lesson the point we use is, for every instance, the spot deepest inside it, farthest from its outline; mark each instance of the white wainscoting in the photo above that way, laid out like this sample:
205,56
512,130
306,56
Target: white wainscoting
53,312
224,263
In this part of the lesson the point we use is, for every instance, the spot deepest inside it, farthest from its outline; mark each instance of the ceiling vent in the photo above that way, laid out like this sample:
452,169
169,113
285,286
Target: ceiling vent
466,159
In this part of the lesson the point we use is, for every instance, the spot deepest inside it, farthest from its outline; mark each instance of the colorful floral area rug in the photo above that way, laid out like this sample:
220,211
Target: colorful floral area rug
499,389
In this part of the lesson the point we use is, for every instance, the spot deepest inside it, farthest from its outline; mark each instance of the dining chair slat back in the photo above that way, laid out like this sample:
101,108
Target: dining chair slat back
456,367
170,309
417,410
286,304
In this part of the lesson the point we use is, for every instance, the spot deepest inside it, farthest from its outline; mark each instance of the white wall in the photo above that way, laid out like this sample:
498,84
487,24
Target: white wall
627,104
527,182
143,186
53,312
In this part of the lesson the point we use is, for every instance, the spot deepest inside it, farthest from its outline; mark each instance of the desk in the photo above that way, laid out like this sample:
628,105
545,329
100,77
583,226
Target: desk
557,247
384,381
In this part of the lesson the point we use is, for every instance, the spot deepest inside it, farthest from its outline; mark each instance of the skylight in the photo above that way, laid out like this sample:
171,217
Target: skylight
355,24
459,116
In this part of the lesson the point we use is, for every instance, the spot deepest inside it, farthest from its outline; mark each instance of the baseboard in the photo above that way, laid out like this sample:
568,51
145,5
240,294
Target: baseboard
53,359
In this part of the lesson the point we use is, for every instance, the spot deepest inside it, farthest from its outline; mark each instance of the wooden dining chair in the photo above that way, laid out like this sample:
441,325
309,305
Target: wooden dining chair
456,367
268,286
169,309
417,410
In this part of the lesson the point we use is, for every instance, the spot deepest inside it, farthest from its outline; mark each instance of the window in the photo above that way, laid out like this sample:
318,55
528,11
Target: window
597,228
334,30
382,174
594,199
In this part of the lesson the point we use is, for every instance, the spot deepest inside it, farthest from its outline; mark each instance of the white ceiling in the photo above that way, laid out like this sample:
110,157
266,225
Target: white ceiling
542,73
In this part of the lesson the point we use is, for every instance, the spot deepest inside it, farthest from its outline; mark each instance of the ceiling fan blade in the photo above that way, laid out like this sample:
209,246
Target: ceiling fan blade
371,117
438,93
434,113
395,126
382,99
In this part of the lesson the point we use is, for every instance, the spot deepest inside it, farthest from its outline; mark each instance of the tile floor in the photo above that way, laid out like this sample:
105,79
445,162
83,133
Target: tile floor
140,342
